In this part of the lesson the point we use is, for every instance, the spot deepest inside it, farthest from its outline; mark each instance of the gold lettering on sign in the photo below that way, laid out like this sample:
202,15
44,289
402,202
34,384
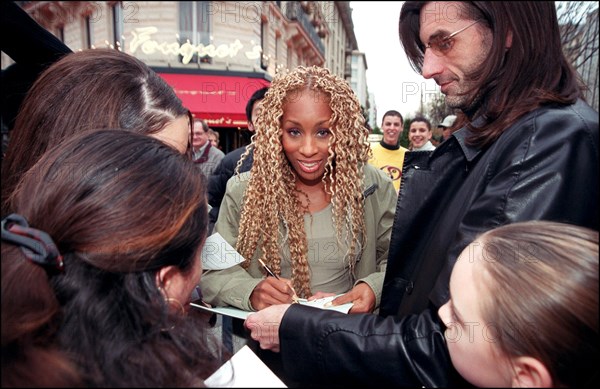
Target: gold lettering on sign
142,39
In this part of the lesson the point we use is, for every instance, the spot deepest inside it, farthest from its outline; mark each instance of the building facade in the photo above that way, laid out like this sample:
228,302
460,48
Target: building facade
214,54
358,78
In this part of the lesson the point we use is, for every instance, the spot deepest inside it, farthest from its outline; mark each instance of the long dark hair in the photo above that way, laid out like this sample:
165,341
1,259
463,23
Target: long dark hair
513,82
119,206
96,88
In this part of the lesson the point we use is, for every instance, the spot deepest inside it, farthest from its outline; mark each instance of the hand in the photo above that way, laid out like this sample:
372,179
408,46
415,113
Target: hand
361,295
264,326
271,291
320,295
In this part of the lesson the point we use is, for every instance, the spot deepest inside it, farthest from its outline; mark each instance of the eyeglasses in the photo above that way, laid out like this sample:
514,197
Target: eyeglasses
441,45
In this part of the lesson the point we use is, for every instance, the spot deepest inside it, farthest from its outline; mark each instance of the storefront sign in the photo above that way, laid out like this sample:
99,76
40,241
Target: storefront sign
142,39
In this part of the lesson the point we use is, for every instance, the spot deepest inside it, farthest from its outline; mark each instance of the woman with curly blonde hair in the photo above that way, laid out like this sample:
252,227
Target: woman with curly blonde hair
310,208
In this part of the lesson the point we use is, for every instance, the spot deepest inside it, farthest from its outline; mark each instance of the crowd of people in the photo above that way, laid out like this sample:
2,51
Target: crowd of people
468,260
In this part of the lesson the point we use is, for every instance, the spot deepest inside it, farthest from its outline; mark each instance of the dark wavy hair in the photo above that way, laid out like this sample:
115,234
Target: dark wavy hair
119,206
513,82
95,88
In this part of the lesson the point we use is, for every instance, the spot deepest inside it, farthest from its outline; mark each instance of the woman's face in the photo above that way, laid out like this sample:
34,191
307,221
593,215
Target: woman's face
306,135
472,342
176,133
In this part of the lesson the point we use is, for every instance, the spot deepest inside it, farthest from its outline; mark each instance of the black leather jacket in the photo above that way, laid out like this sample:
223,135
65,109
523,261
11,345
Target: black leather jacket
544,167
326,349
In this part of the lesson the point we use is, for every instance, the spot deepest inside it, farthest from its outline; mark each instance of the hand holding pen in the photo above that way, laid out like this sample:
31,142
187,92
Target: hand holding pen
275,276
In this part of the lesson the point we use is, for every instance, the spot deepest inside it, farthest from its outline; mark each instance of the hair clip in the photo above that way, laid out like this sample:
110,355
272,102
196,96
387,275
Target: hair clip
36,245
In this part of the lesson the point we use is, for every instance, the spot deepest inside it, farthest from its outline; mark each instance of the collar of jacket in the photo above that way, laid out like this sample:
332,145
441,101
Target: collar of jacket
461,136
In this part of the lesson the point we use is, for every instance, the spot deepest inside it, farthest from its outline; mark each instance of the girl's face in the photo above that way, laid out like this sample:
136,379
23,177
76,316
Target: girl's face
472,342
213,141
306,135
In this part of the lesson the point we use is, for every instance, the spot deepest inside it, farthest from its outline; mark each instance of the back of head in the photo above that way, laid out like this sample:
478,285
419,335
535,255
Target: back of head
543,279
258,95
91,89
514,80
108,200
30,354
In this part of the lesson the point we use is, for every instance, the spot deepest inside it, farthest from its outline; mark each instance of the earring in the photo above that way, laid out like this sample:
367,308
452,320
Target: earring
170,299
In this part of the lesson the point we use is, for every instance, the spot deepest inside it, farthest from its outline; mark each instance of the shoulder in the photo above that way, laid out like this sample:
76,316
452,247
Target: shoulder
216,152
559,124
569,118
375,176
238,183
236,154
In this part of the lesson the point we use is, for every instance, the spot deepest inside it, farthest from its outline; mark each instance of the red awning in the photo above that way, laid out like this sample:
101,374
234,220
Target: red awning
220,100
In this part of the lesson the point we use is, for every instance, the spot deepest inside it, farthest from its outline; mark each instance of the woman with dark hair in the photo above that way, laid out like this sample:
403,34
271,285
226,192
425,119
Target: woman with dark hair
92,89
99,262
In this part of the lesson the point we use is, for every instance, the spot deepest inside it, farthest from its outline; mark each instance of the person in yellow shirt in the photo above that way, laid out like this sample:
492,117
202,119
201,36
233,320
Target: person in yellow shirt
388,155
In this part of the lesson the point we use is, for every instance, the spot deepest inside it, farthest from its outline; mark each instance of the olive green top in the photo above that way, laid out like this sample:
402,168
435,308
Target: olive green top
329,270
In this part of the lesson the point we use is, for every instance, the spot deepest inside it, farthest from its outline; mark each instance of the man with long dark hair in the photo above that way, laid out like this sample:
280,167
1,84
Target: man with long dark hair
526,149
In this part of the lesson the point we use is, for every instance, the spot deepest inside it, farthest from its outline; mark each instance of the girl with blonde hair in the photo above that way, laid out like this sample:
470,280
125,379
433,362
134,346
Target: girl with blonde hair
310,208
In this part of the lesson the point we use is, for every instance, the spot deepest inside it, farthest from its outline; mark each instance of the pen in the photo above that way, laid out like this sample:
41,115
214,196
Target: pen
268,270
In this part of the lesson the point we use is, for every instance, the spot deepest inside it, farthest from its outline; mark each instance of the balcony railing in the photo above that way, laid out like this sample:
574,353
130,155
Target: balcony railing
293,11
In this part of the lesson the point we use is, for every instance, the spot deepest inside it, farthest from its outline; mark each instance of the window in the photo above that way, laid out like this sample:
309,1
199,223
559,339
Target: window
277,52
264,40
194,26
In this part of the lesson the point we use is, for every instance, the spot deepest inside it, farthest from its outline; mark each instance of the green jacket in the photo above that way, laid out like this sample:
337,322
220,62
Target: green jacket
233,286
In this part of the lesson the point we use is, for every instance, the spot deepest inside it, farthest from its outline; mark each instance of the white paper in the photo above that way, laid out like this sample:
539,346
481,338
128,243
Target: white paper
241,314
227,311
217,254
244,370
324,302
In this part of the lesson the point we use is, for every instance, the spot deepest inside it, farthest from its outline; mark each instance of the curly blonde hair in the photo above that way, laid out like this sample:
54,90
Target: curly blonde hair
270,216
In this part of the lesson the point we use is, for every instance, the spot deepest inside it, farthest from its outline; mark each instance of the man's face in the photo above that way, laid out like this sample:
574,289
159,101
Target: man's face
452,70
200,137
419,134
391,128
446,132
